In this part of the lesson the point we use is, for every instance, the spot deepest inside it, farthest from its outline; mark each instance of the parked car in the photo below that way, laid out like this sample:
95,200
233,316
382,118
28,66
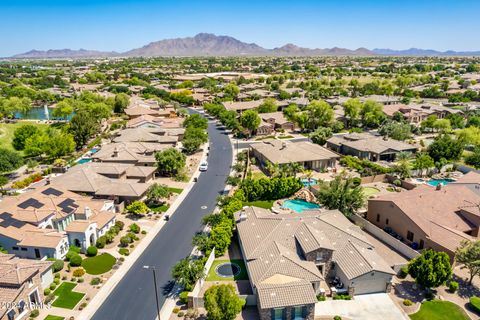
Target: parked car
203,166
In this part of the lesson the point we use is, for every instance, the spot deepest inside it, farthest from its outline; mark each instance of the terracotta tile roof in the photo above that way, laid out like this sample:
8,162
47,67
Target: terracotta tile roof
276,296
78,226
370,143
15,271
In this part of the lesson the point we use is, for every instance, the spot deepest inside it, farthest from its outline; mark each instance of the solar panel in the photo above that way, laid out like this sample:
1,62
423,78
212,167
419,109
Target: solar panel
52,192
31,202
68,205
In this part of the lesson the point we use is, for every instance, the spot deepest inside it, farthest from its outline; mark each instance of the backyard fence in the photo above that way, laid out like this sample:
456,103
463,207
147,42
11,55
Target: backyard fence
194,299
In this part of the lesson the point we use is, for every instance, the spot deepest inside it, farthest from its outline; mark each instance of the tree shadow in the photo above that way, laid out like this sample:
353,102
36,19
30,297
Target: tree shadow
167,288
465,290
408,289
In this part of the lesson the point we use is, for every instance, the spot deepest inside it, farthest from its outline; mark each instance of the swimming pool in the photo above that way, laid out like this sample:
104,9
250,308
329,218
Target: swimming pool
84,160
310,183
299,205
436,182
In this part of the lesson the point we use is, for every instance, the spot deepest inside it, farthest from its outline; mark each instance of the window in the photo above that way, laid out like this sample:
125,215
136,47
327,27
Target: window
15,248
298,313
378,218
319,256
410,235
24,249
21,307
386,222
277,314
11,314
421,244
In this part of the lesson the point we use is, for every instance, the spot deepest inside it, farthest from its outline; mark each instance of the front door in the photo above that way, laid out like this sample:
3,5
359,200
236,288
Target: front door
37,253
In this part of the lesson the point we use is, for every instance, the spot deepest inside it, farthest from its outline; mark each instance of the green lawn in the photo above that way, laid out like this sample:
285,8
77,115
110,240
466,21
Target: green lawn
266,204
50,317
66,298
213,276
7,129
99,264
439,310
161,208
175,190
370,191
258,175
285,137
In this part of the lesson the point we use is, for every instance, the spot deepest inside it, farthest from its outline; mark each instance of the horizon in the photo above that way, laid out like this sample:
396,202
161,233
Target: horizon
125,24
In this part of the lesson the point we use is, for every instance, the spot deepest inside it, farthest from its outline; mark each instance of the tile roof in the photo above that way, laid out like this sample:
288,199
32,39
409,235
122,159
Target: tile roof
276,296
281,152
370,143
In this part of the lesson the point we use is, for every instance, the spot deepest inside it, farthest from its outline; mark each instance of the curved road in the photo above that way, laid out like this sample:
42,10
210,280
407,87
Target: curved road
133,297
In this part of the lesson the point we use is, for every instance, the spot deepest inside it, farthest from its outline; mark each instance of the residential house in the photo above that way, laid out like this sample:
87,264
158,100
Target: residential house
22,282
309,155
240,106
291,258
416,113
369,146
137,153
36,223
429,217
278,120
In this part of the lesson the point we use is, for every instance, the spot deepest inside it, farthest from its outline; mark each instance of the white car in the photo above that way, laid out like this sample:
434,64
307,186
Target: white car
203,166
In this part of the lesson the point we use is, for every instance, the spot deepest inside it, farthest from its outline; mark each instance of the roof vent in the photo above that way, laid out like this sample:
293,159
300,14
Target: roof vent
243,215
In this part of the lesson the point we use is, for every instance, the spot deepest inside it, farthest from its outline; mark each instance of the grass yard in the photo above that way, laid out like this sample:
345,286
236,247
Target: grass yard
285,137
175,190
162,208
258,175
99,264
266,204
7,129
370,191
439,310
213,276
66,298
50,317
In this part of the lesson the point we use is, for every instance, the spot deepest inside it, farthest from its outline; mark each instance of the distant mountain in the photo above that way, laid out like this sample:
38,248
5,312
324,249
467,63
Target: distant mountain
207,44
203,44
64,53
424,52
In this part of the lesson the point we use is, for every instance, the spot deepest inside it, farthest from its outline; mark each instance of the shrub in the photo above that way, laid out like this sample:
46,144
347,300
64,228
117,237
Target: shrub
79,272
49,298
337,318
176,310
47,291
101,242
53,285
403,272
429,295
95,281
76,260
321,297
407,302
56,280
119,225
57,275
184,296
180,314
92,251
132,236
125,241
82,306
57,265
342,297
70,254
475,303
144,232
135,228
109,237
453,286
74,249
124,251
356,181
35,313
80,280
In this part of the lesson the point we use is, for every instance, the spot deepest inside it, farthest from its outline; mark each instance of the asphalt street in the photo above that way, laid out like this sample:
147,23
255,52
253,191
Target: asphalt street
134,296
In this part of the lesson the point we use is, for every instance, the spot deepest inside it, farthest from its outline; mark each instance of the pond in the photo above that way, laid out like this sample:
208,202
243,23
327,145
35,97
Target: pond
38,113
299,205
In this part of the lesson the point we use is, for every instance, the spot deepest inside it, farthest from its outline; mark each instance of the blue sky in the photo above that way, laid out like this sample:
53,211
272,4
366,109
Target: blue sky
121,25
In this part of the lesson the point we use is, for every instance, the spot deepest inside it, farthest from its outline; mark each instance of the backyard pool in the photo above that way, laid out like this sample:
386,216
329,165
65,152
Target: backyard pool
299,205
307,183
436,182
84,160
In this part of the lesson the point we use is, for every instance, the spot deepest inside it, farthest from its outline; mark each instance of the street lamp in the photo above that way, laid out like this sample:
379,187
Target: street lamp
155,285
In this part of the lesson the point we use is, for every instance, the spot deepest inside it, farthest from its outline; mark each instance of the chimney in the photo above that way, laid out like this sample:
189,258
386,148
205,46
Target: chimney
88,212
115,152
243,216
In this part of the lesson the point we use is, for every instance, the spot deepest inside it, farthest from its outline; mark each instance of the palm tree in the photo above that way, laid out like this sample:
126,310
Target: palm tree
295,168
308,174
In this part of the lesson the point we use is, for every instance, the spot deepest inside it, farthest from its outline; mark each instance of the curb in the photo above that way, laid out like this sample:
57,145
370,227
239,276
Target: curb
102,294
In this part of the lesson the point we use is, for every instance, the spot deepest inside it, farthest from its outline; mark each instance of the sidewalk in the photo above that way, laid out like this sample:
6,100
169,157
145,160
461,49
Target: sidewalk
100,297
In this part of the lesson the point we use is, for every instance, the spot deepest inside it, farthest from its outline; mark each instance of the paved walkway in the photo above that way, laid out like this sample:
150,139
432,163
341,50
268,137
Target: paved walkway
376,306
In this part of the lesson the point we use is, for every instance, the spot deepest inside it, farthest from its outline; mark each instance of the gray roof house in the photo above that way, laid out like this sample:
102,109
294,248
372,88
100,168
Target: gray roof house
289,257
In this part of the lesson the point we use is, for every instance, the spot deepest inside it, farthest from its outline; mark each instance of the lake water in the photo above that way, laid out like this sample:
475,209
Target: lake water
37,113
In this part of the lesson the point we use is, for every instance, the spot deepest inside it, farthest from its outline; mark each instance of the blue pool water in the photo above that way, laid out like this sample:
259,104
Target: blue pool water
310,183
84,160
436,182
299,205
92,151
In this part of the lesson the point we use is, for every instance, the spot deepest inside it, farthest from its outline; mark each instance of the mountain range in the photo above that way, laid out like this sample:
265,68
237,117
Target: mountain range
206,44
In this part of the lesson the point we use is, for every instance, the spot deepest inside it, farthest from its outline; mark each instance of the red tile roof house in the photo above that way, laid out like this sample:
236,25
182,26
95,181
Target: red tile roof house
438,218
22,282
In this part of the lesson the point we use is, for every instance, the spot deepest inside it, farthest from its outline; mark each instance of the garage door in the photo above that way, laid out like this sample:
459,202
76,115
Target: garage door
370,286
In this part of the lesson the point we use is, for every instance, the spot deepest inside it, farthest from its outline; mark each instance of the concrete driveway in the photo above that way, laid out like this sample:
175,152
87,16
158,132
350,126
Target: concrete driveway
377,306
